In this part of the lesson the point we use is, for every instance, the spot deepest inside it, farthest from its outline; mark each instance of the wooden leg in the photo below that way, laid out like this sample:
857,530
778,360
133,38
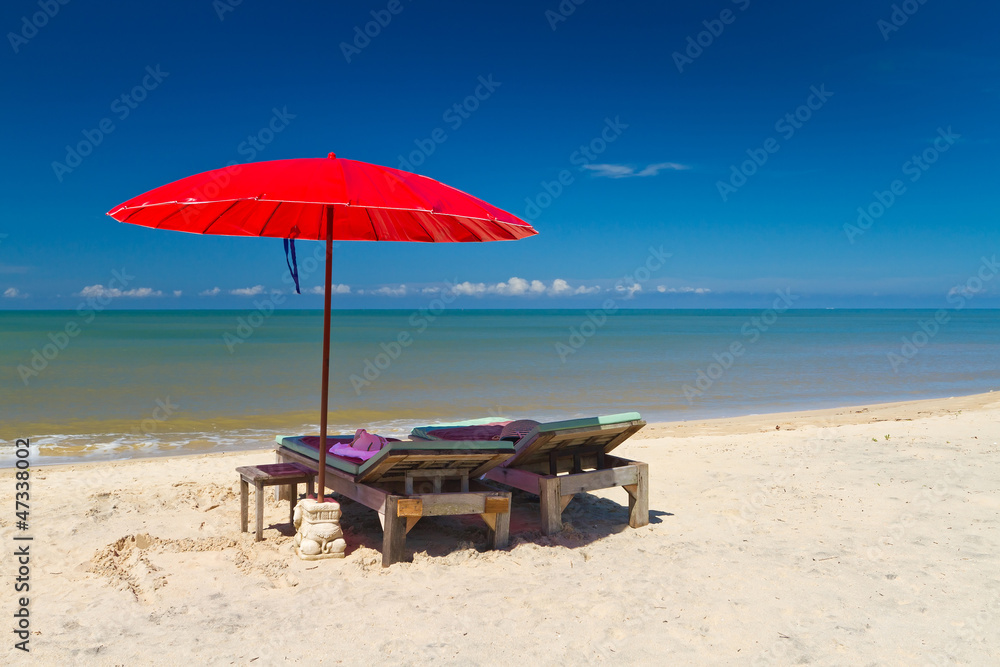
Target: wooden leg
309,486
292,497
281,491
638,497
548,491
259,499
393,534
243,505
501,532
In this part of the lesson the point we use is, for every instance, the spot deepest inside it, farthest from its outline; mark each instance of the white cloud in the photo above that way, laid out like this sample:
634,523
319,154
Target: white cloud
114,292
518,287
560,286
469,289
965,290
663,289
210,292
389,291
627,171
629,290
514,287
334,289
13,293
654,169
248,291
177,292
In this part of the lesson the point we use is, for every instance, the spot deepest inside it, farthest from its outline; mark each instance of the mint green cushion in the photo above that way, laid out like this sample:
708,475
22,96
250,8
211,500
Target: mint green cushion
424,431
589,421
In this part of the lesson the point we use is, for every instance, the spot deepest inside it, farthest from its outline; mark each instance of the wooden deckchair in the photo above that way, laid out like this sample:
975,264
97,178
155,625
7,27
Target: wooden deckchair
556,460
409,480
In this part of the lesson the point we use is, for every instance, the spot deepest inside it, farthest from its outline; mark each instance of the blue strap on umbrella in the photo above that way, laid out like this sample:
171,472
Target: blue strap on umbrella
293,265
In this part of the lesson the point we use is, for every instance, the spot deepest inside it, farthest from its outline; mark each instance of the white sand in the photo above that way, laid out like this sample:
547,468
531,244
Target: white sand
819,543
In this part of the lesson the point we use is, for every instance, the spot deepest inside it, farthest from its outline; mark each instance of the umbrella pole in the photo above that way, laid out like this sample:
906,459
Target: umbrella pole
326,355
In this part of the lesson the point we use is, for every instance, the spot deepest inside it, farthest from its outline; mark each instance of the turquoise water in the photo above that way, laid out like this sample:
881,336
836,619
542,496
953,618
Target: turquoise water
130,383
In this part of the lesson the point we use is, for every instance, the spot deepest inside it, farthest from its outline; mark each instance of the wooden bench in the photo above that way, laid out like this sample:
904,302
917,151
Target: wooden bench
288,475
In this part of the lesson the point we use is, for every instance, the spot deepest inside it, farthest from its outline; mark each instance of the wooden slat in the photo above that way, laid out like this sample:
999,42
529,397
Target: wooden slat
495,505
409,507
527,452
625,435
608,435
519,479
396,464
492,463
444,504
619,462
563,464
380,468
597,479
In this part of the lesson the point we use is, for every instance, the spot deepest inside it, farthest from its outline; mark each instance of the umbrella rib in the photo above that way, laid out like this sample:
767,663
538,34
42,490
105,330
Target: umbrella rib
503,228
133,212
268,221
159,224
219,217
416,196
372,223
479,238
417,220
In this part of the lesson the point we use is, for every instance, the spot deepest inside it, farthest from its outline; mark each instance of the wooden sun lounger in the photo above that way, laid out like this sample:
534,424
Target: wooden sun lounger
410,480
559,459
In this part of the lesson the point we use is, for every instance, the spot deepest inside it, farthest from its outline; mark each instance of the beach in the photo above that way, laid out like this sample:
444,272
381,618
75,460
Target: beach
860,535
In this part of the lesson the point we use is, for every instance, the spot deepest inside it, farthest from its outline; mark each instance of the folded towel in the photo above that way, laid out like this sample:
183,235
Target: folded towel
364,446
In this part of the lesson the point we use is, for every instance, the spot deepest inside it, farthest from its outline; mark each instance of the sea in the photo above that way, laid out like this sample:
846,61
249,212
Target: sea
121,384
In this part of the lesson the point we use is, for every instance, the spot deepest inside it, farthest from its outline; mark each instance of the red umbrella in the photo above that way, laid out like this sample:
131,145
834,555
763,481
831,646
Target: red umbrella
321,199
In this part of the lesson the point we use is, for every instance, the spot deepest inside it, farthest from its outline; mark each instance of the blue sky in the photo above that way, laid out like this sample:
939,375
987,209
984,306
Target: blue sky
682,107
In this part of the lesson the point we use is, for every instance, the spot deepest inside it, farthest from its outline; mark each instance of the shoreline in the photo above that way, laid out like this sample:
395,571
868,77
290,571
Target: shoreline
753,423
846,415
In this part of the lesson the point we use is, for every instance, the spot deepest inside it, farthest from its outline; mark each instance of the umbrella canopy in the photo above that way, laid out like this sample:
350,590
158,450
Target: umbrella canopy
321,199
291,199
